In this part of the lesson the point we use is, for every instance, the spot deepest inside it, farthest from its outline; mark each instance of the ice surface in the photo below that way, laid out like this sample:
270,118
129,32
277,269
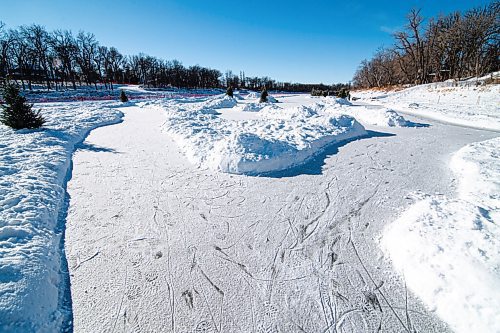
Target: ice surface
449,249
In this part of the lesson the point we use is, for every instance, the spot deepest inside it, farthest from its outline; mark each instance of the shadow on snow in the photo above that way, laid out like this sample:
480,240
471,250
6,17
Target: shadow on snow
314,166
95,148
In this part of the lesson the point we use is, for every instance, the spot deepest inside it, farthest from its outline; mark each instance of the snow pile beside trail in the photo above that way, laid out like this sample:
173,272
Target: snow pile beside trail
256,96
221,102
296,112
252,107
33,169
278,140
470,105
378,117
336,101
449,249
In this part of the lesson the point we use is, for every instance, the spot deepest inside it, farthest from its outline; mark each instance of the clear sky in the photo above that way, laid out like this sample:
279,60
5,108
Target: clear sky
296,41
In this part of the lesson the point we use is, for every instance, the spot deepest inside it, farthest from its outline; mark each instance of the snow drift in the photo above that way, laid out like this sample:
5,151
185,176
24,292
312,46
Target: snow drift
449,249
378,117
279,139
256,96
467,104
33,169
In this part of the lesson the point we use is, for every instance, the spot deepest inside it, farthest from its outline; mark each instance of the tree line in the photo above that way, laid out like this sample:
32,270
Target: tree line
63,60
453,46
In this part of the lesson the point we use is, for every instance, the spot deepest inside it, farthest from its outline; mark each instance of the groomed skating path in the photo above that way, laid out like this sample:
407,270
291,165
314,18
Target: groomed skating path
155,244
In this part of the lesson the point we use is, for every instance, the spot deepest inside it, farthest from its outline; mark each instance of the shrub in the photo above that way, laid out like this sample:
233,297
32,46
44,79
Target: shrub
229,91
263,96
123,97
17,113
319,92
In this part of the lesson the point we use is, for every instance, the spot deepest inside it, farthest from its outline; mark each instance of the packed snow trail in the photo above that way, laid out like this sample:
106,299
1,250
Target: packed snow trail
155,244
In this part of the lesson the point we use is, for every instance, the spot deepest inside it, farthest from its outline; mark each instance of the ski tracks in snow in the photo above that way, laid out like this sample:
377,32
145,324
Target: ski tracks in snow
155,244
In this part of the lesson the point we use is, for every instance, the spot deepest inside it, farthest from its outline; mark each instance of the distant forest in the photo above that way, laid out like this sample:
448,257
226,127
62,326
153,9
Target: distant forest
62,60
453,46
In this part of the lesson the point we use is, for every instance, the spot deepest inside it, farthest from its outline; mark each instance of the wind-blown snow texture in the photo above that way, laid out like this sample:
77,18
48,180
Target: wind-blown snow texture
372,116
471,105
449,249
33,168
281,138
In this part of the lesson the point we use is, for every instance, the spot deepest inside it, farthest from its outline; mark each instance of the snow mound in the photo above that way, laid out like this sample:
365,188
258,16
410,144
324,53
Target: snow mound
238,96
449,249
33,169
221,102
336,101
252,107
294,112
378,117
278,140
253,95
256,96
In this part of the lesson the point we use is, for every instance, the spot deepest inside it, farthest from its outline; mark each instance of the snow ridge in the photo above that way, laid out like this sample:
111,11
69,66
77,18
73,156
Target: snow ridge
33,169
449,249
473,106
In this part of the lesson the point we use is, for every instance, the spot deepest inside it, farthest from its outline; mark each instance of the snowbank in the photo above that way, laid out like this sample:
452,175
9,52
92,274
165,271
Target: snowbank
331,100
373,116
449,249
378,117
279,139
470,105
256,96
221,102
33,169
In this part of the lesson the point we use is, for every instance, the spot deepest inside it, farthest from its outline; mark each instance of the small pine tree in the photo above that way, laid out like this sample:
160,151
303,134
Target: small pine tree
123,97
342,93
229,91
263,96
17,113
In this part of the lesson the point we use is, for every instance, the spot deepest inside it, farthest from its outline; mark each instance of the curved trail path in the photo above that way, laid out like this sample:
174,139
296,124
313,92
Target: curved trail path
156,245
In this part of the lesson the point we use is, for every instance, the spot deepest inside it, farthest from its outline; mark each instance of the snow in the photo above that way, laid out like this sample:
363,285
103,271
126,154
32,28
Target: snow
449,248
256,96
467,104
279,139
336,101
33,169
156,244
383,117
220,102
379,117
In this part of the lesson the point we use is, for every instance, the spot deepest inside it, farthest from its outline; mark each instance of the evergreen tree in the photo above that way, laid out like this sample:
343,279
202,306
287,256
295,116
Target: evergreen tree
263,95
16,112
342,93
123,97
229,91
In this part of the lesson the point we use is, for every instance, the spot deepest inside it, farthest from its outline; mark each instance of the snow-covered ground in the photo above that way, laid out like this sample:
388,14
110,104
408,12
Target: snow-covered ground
471,105
286,238
164,245
33,170
449,248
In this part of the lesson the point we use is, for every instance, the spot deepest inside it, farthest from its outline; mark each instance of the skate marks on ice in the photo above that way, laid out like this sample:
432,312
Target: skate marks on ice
162,246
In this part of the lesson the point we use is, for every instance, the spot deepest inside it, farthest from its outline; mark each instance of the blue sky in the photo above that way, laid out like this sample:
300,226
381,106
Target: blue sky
296,41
